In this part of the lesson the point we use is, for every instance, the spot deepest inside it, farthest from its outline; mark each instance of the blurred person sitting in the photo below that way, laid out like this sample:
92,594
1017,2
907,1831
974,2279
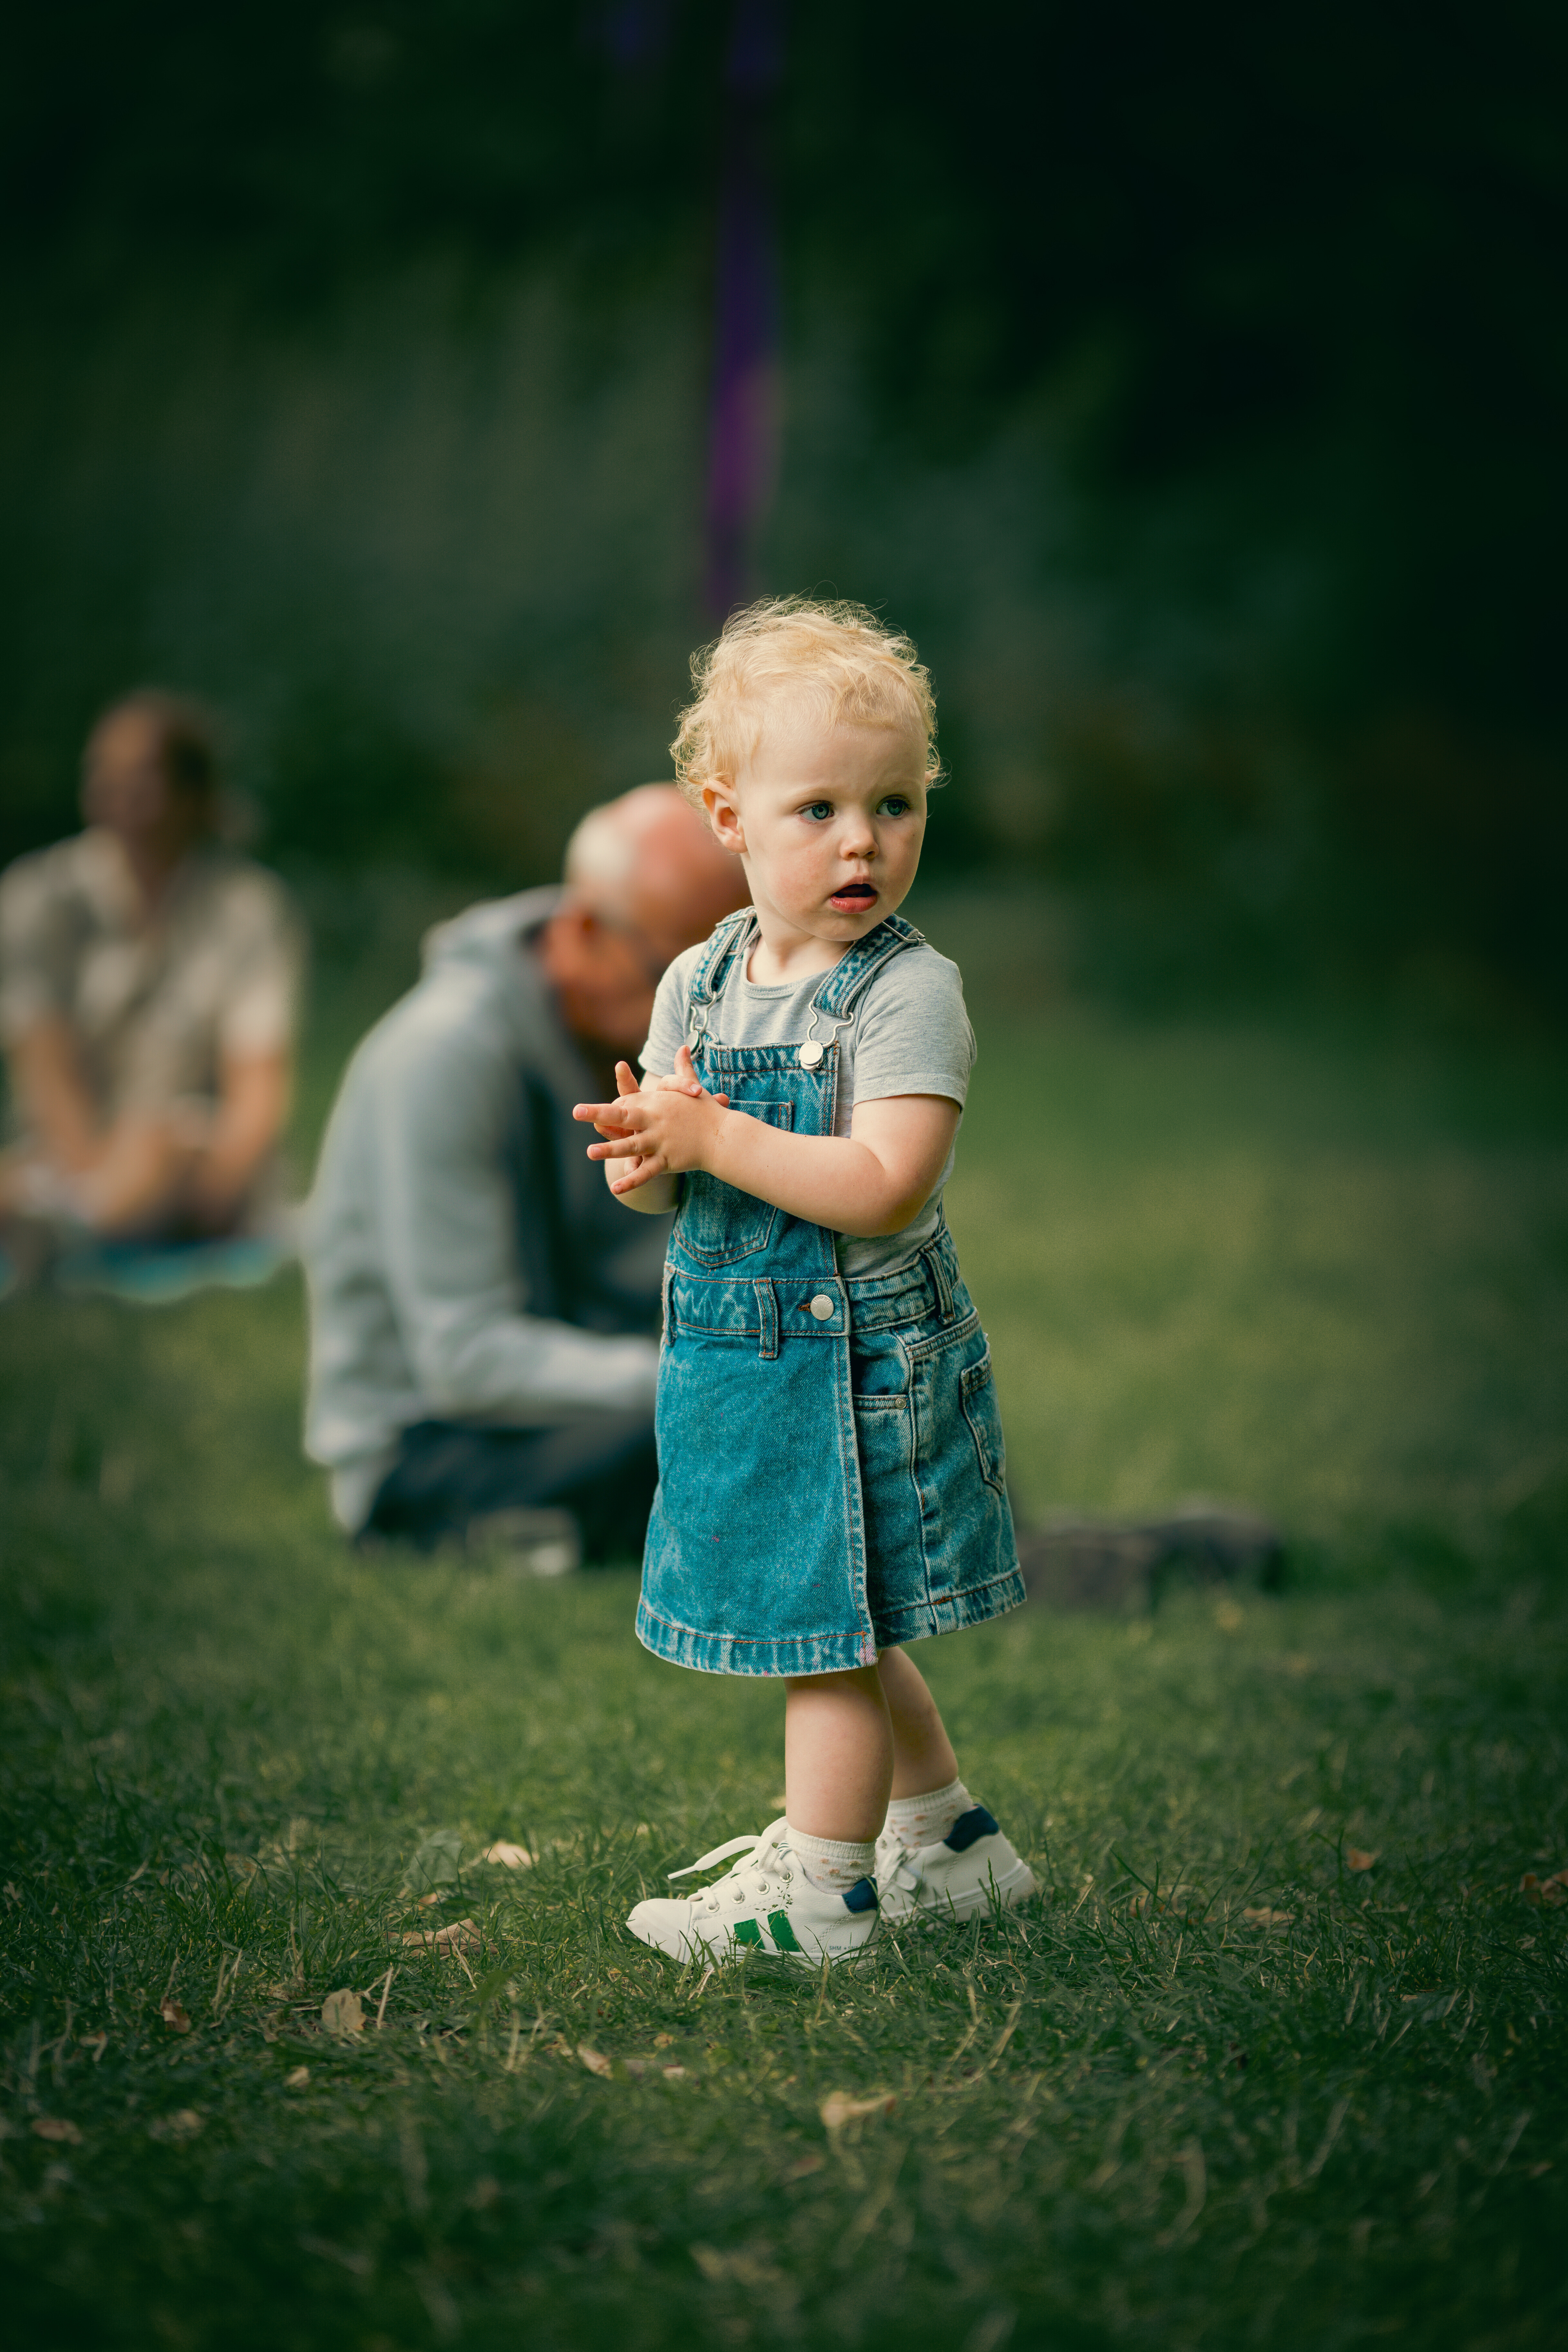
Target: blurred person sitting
149,981
484,1326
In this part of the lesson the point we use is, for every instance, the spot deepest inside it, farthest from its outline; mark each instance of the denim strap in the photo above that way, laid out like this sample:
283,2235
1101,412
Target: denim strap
767,1319
709,977
931,1258
844,985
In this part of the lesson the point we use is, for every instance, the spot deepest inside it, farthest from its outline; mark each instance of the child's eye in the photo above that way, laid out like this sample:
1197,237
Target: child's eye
896,804
818,810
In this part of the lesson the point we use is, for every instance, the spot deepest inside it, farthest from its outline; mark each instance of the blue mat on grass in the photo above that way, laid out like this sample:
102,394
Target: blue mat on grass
147,1274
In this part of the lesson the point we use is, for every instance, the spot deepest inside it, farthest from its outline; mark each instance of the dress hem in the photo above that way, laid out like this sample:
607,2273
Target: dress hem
773,1657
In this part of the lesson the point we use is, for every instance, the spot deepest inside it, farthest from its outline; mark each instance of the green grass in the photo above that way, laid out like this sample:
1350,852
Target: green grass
1326,1276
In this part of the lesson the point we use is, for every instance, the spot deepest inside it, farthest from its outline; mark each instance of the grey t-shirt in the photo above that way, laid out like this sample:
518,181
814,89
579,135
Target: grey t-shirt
910,1035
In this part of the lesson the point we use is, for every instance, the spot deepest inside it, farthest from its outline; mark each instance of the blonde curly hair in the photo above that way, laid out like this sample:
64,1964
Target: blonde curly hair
838,655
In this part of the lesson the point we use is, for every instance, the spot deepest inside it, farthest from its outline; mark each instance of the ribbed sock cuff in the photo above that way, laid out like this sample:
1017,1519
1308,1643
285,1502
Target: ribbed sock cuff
926,1819
834,1864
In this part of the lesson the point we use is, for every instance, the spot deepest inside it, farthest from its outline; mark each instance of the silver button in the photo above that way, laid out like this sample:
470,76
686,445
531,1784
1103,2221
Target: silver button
822,1308
811,1053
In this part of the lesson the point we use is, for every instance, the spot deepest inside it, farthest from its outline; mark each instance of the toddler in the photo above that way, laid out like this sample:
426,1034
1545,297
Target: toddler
830,1451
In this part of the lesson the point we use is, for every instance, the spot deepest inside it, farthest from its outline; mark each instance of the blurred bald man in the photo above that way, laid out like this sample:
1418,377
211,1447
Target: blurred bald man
483,1324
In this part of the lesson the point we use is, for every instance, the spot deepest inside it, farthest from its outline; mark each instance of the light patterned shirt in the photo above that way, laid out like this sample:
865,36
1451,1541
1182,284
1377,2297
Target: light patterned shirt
156,1008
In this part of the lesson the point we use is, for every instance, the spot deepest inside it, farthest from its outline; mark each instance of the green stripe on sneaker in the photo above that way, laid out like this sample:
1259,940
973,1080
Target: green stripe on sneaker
781,1931
748,1932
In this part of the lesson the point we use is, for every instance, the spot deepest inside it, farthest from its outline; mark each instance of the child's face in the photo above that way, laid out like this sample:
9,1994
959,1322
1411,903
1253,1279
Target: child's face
828,823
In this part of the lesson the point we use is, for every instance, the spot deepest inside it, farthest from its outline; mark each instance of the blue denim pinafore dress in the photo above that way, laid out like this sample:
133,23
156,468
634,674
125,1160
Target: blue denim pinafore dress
831,1471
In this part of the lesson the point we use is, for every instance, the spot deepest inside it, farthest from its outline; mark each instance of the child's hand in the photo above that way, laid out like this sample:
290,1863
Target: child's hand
659,1129
682,1080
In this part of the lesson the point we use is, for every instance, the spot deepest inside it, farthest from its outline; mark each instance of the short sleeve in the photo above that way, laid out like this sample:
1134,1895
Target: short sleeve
36,947
264,950
667,1030
913,1034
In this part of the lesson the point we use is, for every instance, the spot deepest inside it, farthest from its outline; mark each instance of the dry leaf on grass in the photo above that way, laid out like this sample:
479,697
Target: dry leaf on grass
812,2161
507,1856
458,1936
742,2266
296,2078
841,2107
172,2015
184,2124
1544,1890
1260,1915
1357,1858
343,2013
594,2060
55,2127
436,1861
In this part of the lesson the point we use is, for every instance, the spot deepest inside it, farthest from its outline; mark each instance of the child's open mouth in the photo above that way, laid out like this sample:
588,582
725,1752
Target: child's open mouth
854,896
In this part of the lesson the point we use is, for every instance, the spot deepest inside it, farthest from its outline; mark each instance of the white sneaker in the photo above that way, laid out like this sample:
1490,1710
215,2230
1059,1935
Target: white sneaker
975,1868
764,1904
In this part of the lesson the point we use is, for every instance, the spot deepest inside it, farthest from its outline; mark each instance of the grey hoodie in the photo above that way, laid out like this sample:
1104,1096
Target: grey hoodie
465,1259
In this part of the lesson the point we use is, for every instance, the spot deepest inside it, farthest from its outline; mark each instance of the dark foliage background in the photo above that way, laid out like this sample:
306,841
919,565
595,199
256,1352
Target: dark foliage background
1190,380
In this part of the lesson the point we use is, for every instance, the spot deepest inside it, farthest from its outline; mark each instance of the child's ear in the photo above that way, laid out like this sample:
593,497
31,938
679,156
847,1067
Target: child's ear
724,815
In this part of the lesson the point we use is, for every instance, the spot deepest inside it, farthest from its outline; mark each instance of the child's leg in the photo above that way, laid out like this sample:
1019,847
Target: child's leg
850,1741
941,1852
922,1752
838,1754
807,1887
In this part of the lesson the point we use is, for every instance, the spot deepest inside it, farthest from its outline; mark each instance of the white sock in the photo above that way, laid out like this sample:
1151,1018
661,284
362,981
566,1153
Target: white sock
926,1819
834,1864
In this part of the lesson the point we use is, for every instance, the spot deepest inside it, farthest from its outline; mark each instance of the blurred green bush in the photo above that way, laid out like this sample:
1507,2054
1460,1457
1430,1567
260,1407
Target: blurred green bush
1190,384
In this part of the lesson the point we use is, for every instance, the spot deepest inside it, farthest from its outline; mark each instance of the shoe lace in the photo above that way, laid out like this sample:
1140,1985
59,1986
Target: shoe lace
763,1858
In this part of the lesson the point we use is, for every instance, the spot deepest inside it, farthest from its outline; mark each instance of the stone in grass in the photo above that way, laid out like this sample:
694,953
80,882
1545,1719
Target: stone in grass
1073,1563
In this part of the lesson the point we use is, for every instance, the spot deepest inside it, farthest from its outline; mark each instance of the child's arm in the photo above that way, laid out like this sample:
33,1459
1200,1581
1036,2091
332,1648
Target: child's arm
873,1181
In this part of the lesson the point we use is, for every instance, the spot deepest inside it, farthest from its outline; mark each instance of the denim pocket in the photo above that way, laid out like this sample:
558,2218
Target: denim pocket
716,1224
981,1413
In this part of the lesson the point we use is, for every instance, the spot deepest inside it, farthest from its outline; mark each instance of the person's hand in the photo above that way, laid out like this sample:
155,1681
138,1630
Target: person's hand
682,1080
657,1129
